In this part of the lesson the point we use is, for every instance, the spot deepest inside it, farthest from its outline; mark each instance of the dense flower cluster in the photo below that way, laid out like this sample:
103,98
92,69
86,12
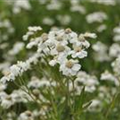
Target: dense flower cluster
53,73
64,46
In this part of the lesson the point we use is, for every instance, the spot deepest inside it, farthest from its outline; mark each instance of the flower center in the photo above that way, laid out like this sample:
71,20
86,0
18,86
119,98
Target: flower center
36,92
44,36
77,49
68,30
81,37
59,38
69,64
8,98
60,48
6,73
28,113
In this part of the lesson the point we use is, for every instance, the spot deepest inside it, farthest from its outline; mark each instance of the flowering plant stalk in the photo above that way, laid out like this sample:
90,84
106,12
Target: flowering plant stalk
55,72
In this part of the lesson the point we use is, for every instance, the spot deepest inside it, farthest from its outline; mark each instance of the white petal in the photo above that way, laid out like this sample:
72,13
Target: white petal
76,67
82,54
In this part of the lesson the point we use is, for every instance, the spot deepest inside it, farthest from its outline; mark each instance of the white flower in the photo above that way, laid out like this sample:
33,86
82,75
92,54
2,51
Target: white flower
54,5
70,67
14,69
8,77
4,79
90,35
34,28
72,36
3,94
83,41
59,48
55,37
116,38
37,83
96,17
116,30
32,60
78,52
48,21
27,35
20,4
31,31
2,86
101,52
4,66
109,77
66,21
101,28
114,50
18,46
20,68
90,82
27,115
33,42
58,59
78,8
53,62
24,66
6,102
95,105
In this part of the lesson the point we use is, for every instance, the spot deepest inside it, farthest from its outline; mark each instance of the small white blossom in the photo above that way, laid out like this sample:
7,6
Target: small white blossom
48,21
16,48
114,50
27,115
90,82
34,28
78,52
78,8
116,66
101,28
90,35
66,21
54,5
101,52
70,67
109,77
96,17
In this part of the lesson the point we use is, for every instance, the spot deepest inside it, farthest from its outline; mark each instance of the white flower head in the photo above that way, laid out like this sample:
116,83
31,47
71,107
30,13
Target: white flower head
27,115
70,67
78,52
107,76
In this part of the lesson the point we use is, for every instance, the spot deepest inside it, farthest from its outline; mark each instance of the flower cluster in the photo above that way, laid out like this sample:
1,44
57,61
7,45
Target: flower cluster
65,47
19,68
